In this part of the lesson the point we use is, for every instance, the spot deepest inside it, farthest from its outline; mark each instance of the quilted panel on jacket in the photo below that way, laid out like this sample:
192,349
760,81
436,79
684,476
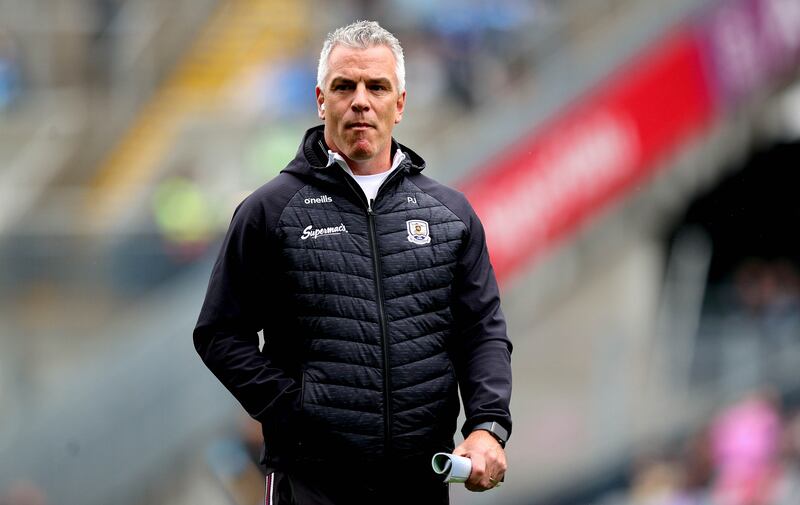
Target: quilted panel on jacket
330,271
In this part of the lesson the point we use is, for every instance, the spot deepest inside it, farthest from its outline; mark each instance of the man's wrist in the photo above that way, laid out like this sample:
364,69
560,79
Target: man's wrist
495,429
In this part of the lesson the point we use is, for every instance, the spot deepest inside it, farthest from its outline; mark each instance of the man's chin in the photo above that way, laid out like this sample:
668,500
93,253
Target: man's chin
361,153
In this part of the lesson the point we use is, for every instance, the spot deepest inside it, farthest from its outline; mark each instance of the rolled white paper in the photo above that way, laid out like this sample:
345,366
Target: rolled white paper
454,468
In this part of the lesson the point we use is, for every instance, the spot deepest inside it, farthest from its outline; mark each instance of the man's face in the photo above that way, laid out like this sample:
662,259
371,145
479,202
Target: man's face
362,104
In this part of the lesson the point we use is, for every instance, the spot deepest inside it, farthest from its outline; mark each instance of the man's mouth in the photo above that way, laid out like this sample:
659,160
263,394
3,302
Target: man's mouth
359,125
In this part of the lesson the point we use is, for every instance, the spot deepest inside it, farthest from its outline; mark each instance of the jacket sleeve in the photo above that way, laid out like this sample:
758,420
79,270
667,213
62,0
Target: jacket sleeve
481,347
236,306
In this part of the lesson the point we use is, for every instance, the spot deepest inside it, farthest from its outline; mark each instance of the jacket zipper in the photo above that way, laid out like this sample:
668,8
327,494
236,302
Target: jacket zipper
387,380
376,264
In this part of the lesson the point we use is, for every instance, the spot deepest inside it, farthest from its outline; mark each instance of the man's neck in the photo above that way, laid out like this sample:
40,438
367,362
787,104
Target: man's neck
375,165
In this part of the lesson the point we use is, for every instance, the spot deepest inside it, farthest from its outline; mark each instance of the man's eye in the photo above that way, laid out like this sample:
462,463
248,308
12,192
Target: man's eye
341,87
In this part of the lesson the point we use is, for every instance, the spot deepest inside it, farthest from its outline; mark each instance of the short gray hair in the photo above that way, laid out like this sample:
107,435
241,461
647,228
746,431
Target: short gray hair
362,35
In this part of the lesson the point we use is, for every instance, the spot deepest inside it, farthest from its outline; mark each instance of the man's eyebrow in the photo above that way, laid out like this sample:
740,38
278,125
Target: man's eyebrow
384,81
343,80
380,80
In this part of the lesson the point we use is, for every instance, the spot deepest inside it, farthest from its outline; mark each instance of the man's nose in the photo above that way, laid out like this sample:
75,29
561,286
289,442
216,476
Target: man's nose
360,98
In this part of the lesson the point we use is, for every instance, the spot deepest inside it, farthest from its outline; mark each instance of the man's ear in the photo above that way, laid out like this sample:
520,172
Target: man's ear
401,105
320,103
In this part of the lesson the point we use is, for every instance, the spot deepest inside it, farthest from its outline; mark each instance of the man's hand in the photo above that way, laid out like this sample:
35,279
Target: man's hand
488,460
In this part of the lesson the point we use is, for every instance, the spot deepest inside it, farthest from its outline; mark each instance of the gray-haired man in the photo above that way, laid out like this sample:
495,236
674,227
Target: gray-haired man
373,287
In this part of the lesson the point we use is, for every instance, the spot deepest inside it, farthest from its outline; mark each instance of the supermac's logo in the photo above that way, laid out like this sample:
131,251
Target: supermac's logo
311,232
418,232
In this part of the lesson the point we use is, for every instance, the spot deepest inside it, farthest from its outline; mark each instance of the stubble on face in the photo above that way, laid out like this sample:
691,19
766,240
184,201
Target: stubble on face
362,105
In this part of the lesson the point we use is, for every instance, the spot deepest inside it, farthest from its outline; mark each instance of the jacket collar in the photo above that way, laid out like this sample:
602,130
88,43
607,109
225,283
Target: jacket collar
311,159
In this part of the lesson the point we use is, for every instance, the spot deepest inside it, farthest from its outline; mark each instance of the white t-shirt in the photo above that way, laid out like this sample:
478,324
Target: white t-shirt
369,183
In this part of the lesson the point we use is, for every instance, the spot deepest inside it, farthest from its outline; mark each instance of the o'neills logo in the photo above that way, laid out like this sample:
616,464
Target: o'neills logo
321,199
310,232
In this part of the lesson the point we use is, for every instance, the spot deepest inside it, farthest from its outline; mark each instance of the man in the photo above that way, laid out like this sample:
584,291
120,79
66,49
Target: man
374,291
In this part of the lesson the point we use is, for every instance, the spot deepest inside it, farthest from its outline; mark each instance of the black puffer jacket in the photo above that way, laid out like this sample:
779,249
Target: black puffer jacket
371,317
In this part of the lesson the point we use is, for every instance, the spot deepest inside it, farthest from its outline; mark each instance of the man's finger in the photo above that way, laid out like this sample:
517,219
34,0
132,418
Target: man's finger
477,476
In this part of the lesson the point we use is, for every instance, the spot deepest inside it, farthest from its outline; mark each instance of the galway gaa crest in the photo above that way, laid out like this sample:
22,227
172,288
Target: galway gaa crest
418,232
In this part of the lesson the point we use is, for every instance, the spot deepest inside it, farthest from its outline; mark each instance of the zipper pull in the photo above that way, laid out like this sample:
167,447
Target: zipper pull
369,205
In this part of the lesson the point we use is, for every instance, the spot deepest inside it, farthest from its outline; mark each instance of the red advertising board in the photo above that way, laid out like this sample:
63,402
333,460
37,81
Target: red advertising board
555,178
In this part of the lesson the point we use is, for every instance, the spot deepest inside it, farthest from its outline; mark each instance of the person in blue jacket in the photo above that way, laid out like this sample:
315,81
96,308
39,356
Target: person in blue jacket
373,288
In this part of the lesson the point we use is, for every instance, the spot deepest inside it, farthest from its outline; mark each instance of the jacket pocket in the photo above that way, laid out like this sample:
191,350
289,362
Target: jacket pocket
299,420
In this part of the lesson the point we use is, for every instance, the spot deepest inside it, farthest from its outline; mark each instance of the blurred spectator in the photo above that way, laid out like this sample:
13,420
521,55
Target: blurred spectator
239,477
746,455
788,489
768,293
480,45
285,89
277,90
268,152
23,493
252,438
655,482
101,48
746,442
183,215
459,40
681,480
10,79
234,460
698,469
425,78
479,40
